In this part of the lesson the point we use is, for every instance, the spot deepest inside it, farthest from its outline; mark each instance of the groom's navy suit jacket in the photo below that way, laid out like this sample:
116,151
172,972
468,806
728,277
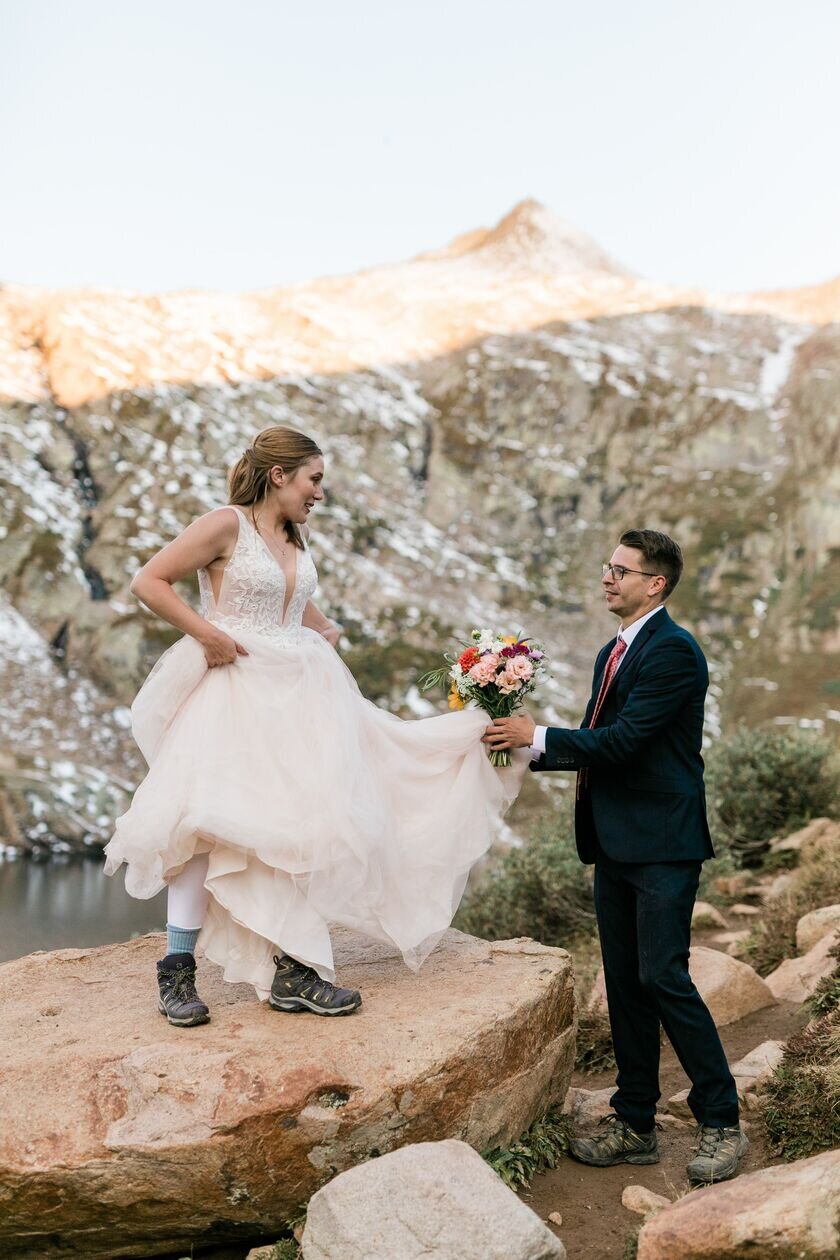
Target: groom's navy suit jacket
644,799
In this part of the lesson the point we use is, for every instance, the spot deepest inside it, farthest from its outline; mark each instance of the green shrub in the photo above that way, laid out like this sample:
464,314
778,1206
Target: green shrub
801,1101
826,996
540,889
538,1149
762,783
631,1245
814,884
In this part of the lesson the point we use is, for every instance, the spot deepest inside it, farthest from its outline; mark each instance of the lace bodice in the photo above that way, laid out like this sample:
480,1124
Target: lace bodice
253,590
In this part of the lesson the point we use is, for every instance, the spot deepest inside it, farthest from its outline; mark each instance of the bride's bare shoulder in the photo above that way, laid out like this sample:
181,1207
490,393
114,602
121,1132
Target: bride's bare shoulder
217,530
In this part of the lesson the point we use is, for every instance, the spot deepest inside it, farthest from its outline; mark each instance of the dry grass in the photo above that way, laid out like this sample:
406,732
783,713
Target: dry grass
815,883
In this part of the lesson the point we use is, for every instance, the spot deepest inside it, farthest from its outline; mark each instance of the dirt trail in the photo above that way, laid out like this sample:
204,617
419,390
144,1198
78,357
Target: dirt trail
595,1224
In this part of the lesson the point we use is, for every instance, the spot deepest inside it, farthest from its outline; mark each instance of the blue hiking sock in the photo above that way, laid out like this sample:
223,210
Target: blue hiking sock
181,940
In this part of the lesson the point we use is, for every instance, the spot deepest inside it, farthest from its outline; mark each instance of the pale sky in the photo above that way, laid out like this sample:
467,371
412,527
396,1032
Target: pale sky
162,144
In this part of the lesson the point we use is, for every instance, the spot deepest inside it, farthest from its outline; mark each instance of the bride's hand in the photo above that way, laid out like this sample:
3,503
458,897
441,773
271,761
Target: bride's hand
332,633
220,648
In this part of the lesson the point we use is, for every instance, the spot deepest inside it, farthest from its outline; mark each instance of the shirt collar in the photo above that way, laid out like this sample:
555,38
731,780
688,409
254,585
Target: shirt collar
630,633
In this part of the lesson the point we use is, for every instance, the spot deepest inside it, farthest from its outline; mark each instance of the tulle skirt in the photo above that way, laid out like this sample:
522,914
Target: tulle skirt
315,806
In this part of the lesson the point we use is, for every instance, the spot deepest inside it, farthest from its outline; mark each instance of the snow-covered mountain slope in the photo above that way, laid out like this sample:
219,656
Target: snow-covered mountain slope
532,268
478,483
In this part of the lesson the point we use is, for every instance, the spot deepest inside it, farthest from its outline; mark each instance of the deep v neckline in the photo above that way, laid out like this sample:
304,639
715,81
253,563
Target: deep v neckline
287,597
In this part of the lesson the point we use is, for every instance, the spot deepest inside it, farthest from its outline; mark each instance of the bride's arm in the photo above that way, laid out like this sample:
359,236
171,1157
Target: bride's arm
314,619
211,537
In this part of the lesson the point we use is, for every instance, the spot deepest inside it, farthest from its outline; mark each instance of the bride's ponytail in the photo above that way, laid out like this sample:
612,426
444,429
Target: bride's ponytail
279,446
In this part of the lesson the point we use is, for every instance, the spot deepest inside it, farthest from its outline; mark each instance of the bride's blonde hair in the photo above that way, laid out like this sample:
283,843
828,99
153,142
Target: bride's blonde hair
248,480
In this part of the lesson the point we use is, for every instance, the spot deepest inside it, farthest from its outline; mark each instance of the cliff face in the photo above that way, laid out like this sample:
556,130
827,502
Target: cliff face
482,484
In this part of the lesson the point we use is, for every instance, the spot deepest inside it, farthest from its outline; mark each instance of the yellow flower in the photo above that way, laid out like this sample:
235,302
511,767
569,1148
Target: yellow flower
509,639
455,701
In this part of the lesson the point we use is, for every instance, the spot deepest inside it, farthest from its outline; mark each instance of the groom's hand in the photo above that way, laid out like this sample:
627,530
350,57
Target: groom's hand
510,732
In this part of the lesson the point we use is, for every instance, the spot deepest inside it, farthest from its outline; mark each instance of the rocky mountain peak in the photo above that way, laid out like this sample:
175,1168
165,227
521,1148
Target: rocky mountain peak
533,238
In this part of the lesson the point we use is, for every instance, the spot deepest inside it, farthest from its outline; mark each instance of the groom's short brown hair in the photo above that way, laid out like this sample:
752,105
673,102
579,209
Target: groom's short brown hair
660,553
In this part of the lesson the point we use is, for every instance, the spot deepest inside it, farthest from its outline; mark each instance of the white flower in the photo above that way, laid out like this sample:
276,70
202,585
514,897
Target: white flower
483,639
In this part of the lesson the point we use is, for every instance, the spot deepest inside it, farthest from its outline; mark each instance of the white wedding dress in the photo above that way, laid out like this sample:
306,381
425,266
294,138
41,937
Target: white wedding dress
315,806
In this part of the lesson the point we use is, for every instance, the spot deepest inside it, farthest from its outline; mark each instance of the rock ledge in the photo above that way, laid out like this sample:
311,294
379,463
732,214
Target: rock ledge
120,1135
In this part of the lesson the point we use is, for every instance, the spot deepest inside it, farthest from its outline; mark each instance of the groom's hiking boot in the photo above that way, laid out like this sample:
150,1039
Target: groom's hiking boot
178,1000
719,1153
619,1145
300,988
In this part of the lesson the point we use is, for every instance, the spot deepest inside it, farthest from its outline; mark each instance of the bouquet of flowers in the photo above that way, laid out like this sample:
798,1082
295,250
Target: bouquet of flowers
496,671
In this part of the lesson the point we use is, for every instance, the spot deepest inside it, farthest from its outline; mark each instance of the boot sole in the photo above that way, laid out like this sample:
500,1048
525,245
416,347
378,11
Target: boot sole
297,1005
652,1158
192,1022
696,1180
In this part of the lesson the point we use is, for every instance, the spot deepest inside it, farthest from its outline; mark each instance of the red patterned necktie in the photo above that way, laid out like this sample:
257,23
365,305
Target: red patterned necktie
609,673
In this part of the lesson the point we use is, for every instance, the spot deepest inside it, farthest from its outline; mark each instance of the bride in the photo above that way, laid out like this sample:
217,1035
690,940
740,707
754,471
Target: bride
278,800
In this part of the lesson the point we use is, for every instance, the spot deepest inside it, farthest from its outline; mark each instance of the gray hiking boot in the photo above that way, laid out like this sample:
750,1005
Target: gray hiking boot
719,1152
178,999
297,987
619,1145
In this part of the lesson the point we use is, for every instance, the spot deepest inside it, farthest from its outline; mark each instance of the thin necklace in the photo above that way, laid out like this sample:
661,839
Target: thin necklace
282,547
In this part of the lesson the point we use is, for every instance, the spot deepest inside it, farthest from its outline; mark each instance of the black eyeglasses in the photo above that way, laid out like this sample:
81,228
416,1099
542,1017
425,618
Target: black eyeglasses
619,571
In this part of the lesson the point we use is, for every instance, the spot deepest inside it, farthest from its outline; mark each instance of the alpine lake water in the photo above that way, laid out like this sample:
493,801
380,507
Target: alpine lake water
68,904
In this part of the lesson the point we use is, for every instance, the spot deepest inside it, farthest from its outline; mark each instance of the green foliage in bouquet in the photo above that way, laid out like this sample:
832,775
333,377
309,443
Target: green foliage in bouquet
760,784
494,671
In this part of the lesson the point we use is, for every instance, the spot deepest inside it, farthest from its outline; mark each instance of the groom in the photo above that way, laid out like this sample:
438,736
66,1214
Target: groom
640,816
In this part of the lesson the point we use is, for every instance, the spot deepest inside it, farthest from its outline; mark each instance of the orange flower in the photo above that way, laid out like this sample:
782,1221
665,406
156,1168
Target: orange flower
455,701
509,639
467,659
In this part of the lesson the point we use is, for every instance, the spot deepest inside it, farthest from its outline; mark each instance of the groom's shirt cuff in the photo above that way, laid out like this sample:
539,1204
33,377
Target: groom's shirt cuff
538,745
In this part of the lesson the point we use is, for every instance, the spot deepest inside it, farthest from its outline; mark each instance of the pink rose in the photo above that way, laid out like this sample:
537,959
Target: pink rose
484,671
520,667
507,681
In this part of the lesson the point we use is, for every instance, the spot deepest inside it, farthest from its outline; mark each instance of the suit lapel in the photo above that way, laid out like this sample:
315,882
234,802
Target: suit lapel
648,630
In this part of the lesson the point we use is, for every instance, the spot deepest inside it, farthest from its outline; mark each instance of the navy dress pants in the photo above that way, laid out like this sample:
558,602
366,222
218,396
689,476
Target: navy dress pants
644,922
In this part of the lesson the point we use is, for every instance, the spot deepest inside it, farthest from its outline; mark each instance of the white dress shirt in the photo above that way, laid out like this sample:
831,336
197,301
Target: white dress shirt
628,635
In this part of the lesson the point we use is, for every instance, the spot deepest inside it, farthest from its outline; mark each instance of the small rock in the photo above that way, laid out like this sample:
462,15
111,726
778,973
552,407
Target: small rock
731,938
730,989
733,885
757,1066
778,886
706,915
742,909
645,1202
431,1199
555,1218
262,1253
820,835
795,979
669,1121
588,1106
812,927
789,1210
678,1106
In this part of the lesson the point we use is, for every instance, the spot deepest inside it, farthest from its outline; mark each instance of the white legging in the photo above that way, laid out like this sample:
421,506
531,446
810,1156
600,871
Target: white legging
187,896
